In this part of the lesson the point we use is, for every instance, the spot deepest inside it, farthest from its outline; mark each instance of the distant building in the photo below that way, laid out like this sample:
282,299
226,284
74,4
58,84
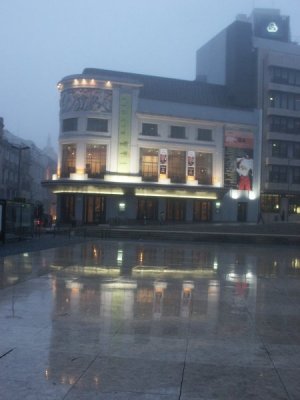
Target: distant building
139,148
23,166
260,66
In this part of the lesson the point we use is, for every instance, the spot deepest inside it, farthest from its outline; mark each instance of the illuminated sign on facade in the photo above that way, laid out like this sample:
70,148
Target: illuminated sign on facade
124,141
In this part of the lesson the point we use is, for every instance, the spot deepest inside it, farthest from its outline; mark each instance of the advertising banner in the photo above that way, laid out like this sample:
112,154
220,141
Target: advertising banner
163,161
238,159
190,161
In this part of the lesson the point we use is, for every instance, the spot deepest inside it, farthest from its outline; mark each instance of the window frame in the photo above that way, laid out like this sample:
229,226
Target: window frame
177,132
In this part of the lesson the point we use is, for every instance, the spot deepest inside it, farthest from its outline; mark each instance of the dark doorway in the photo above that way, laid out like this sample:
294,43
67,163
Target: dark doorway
242,212
94,209
175,210
147,209
67,208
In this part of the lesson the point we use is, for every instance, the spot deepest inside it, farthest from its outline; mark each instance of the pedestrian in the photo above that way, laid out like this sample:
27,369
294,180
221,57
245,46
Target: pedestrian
260,218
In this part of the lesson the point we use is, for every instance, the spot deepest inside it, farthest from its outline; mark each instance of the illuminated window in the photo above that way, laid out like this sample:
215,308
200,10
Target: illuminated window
177,166
68,162
269,203
204,168
95,160
149,164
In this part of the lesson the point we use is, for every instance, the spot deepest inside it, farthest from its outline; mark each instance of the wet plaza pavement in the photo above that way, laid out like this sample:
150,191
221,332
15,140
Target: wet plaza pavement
108,319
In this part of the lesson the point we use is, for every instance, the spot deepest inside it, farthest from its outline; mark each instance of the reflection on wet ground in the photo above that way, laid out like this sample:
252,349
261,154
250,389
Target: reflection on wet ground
124,320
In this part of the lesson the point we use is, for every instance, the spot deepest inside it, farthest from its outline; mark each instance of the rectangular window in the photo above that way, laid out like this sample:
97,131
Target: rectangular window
204,168
296,150
178,132
70,124
285,125
97,125
95,160
285,76
177,166
269,203
149,164
149,129
278,174
279,149
204,134
296,175
297,102
283,100
68,162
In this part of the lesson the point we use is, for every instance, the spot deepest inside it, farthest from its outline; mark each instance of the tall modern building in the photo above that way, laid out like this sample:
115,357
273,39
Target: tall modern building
256,60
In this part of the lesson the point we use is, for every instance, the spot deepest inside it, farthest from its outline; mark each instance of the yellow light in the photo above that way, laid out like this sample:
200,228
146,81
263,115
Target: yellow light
108,84
90,189
175,193
122,178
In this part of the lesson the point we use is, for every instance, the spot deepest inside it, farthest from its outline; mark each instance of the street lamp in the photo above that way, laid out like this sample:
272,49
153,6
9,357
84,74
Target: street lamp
20,149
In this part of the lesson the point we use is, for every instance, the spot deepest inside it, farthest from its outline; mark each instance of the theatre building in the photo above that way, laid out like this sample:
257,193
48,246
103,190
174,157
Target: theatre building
138,148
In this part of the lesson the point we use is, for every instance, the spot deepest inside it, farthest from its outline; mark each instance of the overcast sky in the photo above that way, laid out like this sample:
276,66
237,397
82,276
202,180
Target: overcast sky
44,40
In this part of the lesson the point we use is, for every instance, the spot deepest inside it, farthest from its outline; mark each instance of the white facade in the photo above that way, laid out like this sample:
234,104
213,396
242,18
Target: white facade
130,151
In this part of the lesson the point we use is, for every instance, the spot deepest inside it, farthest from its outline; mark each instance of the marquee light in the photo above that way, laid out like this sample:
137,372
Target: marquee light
90,190
184,194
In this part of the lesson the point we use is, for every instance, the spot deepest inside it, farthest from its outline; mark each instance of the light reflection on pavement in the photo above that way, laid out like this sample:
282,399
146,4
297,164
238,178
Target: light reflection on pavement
112,319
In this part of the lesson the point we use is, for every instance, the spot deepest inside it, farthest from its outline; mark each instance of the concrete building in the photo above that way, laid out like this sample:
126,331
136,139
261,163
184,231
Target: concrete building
259,64
23,167
138,148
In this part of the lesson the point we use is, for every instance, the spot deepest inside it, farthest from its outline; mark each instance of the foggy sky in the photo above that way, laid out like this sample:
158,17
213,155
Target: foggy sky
44,40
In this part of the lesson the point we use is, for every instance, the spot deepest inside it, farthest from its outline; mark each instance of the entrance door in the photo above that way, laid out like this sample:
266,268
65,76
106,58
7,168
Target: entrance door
175,210
242,211
147,209
94,209
202,211
67,208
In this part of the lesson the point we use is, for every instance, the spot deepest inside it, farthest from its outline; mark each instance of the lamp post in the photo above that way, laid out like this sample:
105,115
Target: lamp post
20,149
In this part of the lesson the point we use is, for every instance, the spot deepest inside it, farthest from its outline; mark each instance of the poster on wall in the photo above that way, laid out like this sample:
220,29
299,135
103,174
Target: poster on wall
238,159
163,161
190,163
